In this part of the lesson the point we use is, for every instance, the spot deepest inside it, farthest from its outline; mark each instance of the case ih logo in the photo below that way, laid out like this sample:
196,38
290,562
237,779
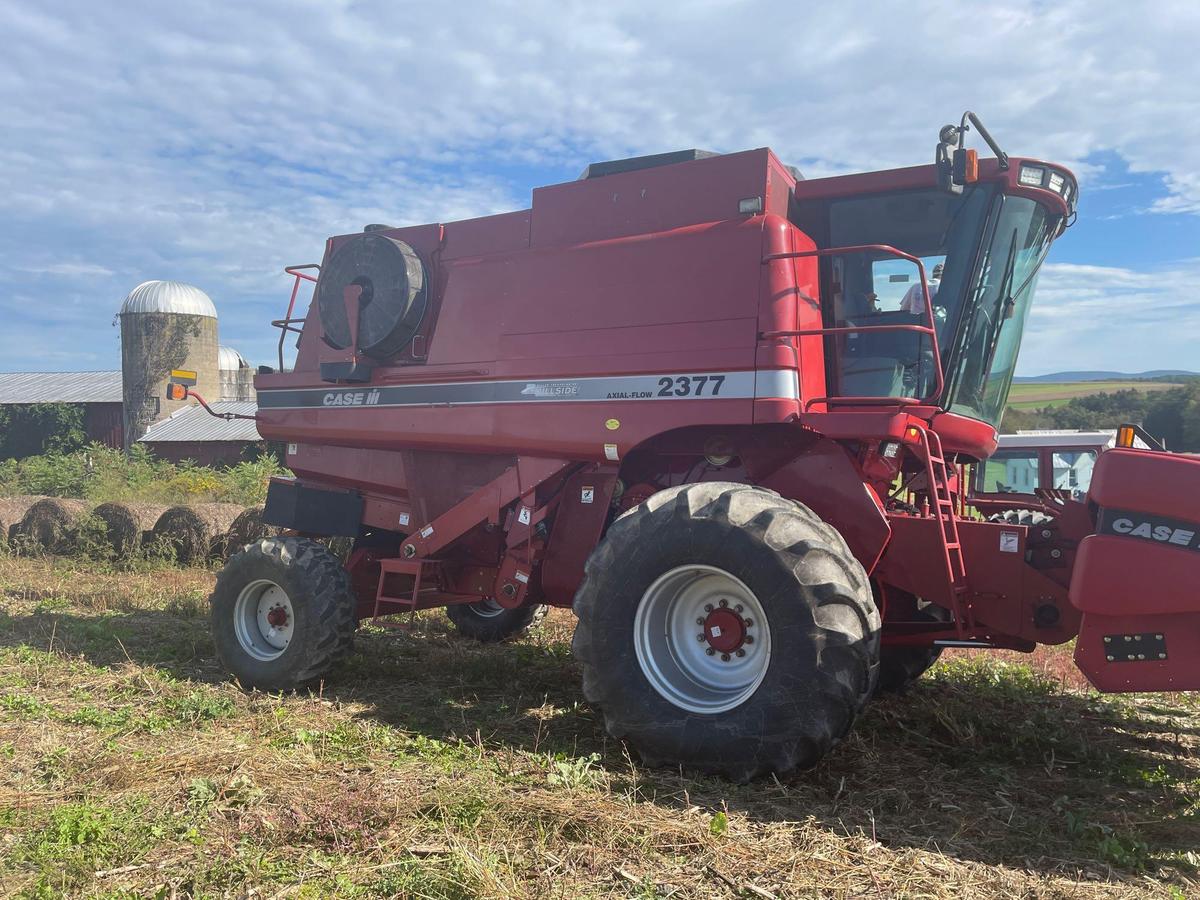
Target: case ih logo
350,398
1150,528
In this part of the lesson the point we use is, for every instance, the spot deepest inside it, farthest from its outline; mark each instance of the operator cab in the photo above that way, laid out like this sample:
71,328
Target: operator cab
1029,462
986,238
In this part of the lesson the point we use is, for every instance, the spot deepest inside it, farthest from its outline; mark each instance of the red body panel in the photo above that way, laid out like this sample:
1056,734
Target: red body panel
1140,575
1166,484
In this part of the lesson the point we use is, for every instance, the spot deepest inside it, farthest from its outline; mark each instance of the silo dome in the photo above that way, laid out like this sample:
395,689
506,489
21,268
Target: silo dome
229,360
168,297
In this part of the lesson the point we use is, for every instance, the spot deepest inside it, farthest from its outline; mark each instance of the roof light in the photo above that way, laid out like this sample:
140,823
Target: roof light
750,205
1057,182
1033,176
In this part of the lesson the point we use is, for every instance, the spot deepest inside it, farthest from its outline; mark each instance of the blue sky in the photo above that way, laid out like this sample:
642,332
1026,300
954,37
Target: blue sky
217,143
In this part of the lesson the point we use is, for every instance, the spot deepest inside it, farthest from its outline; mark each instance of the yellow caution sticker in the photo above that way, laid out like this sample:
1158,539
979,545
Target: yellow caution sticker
612,424
183,376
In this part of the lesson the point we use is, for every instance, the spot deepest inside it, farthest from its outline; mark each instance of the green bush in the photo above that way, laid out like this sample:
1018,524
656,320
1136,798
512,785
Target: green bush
101,474
29,429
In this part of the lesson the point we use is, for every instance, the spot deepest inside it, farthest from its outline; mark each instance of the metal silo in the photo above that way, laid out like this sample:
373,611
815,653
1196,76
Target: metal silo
165,325
237,377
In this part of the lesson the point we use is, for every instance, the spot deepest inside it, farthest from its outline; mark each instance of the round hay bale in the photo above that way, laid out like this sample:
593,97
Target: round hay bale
196,532
50,524
126,523
248,528
12,509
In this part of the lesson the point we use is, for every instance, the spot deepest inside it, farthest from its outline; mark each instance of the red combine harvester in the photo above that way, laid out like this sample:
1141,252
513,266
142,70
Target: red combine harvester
685,395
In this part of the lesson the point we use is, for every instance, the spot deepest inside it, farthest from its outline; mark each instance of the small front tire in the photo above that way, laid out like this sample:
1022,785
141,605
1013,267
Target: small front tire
488,622
283,612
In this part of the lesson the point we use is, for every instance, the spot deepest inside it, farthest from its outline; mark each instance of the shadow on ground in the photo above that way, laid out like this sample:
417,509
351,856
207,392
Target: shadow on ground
987,763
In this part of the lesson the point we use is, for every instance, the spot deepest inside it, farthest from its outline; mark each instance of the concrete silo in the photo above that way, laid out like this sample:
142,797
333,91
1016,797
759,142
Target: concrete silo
237,377
165,325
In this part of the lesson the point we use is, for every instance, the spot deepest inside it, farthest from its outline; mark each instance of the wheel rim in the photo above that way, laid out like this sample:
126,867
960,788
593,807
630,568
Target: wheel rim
486,609
688,612
263,620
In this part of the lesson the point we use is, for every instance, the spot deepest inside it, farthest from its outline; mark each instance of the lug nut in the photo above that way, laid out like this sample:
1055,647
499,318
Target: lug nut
700,637
710,651
708,607
699,620
724,657
738,608
741,652
724,602
749,623
749,640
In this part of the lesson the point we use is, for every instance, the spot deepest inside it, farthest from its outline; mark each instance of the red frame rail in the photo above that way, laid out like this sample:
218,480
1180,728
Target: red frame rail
930,329
287,323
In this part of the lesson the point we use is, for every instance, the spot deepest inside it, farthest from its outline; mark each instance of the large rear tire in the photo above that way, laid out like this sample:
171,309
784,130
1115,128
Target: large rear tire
726,568
489,622
283,612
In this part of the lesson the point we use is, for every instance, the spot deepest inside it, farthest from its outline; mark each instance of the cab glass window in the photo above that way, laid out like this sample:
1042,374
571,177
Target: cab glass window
869,288
1009,472
1073,470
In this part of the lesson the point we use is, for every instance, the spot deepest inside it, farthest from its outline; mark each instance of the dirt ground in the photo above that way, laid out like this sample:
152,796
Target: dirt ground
429,766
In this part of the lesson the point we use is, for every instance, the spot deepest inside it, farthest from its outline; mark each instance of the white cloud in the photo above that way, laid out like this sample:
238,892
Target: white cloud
216,143
1108,317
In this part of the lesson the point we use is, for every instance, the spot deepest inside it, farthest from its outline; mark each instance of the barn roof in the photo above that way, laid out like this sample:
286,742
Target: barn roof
60,387
193,425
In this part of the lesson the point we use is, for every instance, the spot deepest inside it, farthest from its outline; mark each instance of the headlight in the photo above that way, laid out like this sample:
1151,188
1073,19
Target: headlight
1032,175
1057,182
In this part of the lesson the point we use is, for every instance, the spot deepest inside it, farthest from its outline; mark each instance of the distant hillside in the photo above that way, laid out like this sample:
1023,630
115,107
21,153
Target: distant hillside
1103,376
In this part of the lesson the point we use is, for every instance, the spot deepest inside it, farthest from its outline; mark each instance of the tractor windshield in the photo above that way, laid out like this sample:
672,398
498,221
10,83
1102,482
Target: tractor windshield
998,304
981,251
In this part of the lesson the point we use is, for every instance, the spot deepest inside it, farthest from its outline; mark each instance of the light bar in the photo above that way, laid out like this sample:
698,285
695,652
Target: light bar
1033,176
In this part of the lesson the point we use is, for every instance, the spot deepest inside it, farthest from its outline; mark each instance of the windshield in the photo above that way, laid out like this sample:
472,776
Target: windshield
998,304
870,289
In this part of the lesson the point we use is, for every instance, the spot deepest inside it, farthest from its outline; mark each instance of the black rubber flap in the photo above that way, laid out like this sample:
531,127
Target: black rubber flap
393,298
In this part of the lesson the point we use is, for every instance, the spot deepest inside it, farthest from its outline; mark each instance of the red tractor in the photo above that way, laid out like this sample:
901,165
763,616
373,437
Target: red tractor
694,398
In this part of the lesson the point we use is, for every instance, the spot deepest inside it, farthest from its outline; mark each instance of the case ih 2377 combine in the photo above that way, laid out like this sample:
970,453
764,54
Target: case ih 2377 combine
721,412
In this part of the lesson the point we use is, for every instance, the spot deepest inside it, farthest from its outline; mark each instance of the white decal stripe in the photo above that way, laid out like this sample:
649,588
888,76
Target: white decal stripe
776,384
616,389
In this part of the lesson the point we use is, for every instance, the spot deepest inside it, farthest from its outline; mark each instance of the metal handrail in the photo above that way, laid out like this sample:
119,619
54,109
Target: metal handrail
929,329
285,324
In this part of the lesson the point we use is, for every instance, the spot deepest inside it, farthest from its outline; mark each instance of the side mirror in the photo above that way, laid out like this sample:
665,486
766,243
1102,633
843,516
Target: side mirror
956,165
966,166
945,167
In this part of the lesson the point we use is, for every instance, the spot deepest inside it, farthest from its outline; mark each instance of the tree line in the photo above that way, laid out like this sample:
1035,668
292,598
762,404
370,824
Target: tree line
1172,416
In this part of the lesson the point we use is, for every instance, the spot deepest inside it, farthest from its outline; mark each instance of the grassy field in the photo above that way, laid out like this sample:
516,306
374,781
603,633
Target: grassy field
1035,395
428,766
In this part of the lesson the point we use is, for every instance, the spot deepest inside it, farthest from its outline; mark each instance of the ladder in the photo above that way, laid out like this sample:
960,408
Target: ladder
937,477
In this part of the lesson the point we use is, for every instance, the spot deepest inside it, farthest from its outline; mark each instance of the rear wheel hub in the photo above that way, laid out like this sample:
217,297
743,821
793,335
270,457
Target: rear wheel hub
702,639
724,630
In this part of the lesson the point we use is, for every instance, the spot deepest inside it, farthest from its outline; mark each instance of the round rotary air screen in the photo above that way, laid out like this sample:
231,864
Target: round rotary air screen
393,297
